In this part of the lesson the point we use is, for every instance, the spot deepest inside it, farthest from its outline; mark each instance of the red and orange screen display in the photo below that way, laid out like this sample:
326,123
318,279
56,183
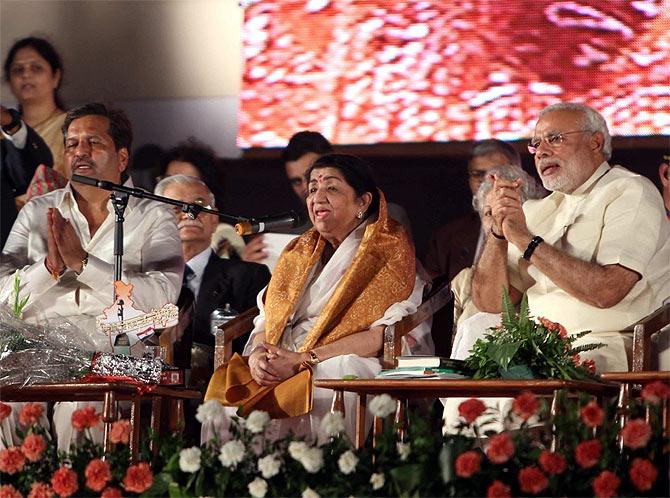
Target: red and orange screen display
364,71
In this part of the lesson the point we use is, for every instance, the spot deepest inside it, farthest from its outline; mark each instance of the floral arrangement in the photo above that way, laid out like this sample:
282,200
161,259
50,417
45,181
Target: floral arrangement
522,348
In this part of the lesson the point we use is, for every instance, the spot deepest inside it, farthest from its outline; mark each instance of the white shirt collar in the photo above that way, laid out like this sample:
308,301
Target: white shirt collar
198,262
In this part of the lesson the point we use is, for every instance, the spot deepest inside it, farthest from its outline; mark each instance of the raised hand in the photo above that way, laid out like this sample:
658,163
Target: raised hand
67,241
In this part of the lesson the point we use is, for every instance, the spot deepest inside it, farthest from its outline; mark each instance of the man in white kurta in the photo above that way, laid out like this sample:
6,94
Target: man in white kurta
63,243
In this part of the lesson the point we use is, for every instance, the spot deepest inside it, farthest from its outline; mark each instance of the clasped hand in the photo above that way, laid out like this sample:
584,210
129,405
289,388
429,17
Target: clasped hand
508,219
269,364
64,248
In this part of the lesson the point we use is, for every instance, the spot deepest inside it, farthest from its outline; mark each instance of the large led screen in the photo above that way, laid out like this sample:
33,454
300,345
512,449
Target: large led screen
364,71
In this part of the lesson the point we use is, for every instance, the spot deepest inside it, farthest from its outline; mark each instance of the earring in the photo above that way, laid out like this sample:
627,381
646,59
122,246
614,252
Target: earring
359,215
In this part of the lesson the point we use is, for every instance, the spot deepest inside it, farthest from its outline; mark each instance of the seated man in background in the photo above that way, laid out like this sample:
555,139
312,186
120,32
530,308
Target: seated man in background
458,244
594,254
63,242
214,282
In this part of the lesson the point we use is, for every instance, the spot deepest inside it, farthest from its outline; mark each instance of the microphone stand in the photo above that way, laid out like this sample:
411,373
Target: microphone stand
119,201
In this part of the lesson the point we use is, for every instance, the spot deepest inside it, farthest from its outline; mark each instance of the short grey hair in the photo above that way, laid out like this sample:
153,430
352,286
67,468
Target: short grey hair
492,146
530,188
184,180
592,120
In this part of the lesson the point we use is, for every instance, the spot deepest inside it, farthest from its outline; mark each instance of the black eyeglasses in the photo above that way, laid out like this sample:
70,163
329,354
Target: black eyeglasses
552,139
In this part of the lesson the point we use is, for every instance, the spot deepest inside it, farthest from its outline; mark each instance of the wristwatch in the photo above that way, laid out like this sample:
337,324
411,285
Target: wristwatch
313,358
16,120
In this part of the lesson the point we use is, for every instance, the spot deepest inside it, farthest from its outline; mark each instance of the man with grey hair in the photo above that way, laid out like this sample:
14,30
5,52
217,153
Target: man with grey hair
594,254
458,244
214,282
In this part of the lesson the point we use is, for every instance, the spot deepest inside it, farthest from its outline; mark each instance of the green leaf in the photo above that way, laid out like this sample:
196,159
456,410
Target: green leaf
508,314
502,354
407,477
517,372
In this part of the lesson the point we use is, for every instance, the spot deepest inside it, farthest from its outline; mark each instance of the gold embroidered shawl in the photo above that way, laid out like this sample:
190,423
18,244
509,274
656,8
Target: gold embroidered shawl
382,272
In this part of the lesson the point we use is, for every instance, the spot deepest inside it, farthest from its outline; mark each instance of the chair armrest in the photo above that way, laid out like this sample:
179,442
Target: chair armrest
228,332
643,330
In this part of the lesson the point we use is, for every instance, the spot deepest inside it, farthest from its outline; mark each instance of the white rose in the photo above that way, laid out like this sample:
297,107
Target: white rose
382,405
189,459
257,420
403,450
332,424
269,466
258,487
232,453
347,462
377,481
310,493
297,449
312,460
209,411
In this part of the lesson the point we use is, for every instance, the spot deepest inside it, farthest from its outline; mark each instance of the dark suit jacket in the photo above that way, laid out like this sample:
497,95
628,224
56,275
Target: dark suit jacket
452,246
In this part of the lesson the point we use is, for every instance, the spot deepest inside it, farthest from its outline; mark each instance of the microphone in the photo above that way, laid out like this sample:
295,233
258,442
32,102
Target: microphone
275,223
89,181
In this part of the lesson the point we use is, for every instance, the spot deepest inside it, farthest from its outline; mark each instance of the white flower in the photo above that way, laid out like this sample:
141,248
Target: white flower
347,462
189,459
231,454
257,420
258,487
269,466
382,405
209,411
403,450
312,460
332,424
377,481
297,449
310,493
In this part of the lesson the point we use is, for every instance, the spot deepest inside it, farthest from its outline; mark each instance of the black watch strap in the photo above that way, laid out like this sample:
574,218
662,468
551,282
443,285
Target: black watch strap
534,242
16,120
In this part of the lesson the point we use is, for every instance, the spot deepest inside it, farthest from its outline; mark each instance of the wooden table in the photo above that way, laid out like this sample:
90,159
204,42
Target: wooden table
109,393
403,389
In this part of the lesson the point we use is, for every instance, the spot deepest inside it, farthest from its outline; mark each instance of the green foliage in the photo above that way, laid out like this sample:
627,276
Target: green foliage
18,303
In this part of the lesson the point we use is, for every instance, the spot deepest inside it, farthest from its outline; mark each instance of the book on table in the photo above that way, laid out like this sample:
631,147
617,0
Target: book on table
420,373
427,361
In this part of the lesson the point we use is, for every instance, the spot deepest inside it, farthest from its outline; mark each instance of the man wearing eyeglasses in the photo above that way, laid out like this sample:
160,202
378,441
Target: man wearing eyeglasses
594,254
459,243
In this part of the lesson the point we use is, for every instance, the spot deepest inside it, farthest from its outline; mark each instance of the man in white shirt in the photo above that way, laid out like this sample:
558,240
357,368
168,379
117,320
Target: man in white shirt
62,242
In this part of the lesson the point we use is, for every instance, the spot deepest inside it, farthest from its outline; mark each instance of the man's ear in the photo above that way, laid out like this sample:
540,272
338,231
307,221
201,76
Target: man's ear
123,159
597,142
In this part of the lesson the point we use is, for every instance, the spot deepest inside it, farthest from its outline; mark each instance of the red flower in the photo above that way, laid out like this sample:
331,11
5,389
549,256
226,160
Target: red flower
111,493
40,490
471,409
64,482
652,393
526,405
5,410
120,432
606,484
636,433
590,365
468,463
501,448
592,415
30,414
587,453
97,474
553,326
11,460
642,474
498,489
138,478
85,418
33,446
552,463
9,491
532,480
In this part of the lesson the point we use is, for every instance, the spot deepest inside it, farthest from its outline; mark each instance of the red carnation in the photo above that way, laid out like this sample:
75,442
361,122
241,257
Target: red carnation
532,480
590,365
138,478
606,484
120,432
33,446
111,493
85,418
97,474
652,393
9,491
552,463
553,326
526,405
642,474
5,410
471,409
12,460
501,448
592,415
587,453
636,433
30,414
64,482
498,489
468,463
40,490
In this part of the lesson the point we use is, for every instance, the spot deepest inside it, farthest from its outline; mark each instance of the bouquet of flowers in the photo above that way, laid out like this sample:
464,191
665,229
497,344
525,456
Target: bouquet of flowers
522,348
